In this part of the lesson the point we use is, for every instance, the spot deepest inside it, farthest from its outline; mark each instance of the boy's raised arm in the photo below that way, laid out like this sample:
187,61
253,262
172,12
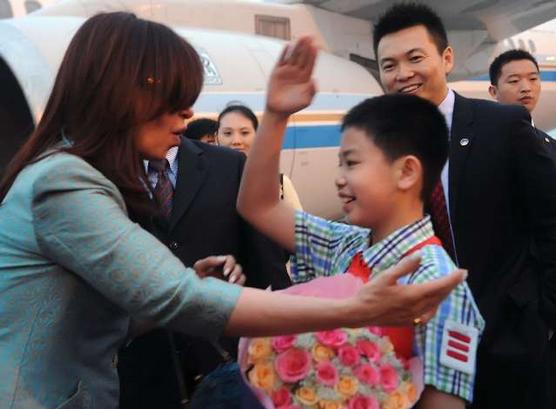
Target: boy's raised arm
290,89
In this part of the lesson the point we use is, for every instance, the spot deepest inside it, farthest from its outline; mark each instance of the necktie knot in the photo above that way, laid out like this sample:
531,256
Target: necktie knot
159,166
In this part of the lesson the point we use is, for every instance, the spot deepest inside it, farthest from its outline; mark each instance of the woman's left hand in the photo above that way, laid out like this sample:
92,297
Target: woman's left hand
222,267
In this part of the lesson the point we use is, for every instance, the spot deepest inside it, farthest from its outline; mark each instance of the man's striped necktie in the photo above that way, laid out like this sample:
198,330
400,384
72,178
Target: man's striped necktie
163,191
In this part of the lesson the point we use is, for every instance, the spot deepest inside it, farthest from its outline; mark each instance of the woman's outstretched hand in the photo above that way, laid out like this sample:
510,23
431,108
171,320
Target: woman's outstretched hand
383,302
291,86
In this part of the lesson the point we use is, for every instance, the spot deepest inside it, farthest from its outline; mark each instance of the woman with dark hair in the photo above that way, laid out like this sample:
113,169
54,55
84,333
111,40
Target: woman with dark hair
75,265
237,126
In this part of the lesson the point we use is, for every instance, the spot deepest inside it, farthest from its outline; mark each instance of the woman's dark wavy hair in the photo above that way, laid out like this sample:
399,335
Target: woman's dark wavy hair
241,109
118,72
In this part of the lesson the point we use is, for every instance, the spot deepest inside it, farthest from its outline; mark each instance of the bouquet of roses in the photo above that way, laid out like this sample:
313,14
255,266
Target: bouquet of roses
341,368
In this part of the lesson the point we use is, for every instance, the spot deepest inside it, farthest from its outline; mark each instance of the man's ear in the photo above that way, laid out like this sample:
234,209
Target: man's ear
410,172
493,91
448,59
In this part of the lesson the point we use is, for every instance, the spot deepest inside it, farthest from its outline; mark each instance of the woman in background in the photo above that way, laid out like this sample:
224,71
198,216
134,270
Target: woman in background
237,126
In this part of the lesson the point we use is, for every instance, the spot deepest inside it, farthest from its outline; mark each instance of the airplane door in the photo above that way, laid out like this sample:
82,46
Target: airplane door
16,122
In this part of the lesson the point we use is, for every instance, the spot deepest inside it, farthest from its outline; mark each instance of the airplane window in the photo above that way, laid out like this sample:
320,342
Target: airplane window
521,44
532,46
15,117
32,5
271,26
6,9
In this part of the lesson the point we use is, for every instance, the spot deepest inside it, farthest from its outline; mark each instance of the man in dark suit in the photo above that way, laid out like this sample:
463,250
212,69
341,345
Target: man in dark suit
515,79
498,215
203,221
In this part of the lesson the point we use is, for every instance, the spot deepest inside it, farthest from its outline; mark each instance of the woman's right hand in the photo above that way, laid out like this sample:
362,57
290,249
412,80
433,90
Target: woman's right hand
383,302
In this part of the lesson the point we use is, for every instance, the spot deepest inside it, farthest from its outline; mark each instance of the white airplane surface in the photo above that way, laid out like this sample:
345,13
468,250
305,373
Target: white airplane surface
20,8
234,39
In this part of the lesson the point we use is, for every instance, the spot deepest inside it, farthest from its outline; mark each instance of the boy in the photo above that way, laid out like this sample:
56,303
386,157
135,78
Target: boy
392,152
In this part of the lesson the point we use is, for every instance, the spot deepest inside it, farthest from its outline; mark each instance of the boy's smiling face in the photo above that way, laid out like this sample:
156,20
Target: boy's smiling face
368,181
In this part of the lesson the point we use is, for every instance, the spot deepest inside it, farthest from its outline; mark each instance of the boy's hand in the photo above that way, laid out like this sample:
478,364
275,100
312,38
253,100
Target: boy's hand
222,267
291,87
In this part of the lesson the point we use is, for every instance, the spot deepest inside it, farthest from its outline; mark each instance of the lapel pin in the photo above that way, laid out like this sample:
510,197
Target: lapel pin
464,142
547,140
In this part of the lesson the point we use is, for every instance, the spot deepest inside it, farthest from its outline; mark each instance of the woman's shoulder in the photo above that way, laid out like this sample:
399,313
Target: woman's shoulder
59,167
54,160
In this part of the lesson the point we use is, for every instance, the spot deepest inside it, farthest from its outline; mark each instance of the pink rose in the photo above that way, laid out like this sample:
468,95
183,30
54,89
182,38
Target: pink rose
281,397
363,402
334,338
281,343
349,355
389,378
367,374
327,374
368,349
293,365
376,330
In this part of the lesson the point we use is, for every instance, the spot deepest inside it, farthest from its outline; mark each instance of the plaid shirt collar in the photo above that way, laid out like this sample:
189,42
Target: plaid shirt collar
389,251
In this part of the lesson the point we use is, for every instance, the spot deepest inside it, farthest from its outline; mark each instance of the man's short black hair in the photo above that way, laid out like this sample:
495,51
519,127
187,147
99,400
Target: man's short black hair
406,15
402,125
495,69
200,127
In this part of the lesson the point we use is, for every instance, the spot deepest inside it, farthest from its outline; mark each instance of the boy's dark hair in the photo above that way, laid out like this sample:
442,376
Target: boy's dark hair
243,110
406,15
200,127
495,69
402,125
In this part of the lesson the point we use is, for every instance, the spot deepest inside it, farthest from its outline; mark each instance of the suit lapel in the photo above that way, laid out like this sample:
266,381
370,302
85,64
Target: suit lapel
461,143
192,171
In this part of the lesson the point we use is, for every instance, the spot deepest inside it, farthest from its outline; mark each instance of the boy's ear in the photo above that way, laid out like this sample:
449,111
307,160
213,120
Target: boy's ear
410,172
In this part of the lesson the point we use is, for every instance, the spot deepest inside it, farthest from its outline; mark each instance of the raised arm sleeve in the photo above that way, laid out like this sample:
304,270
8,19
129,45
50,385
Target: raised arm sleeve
81,224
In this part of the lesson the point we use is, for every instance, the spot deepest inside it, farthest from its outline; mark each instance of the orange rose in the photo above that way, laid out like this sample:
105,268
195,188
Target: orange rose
262,376
411,392
396,401
259,348
329,404
321,353
347,386
307,396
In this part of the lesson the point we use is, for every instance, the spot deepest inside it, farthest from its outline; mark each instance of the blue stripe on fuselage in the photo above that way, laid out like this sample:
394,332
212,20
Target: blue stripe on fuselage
318,136
312,136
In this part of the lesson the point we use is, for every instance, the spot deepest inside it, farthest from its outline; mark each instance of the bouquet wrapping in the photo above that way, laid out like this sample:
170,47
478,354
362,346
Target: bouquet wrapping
342,368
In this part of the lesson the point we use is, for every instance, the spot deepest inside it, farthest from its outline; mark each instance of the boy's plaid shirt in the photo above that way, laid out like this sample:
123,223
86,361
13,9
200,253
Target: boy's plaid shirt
325,248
